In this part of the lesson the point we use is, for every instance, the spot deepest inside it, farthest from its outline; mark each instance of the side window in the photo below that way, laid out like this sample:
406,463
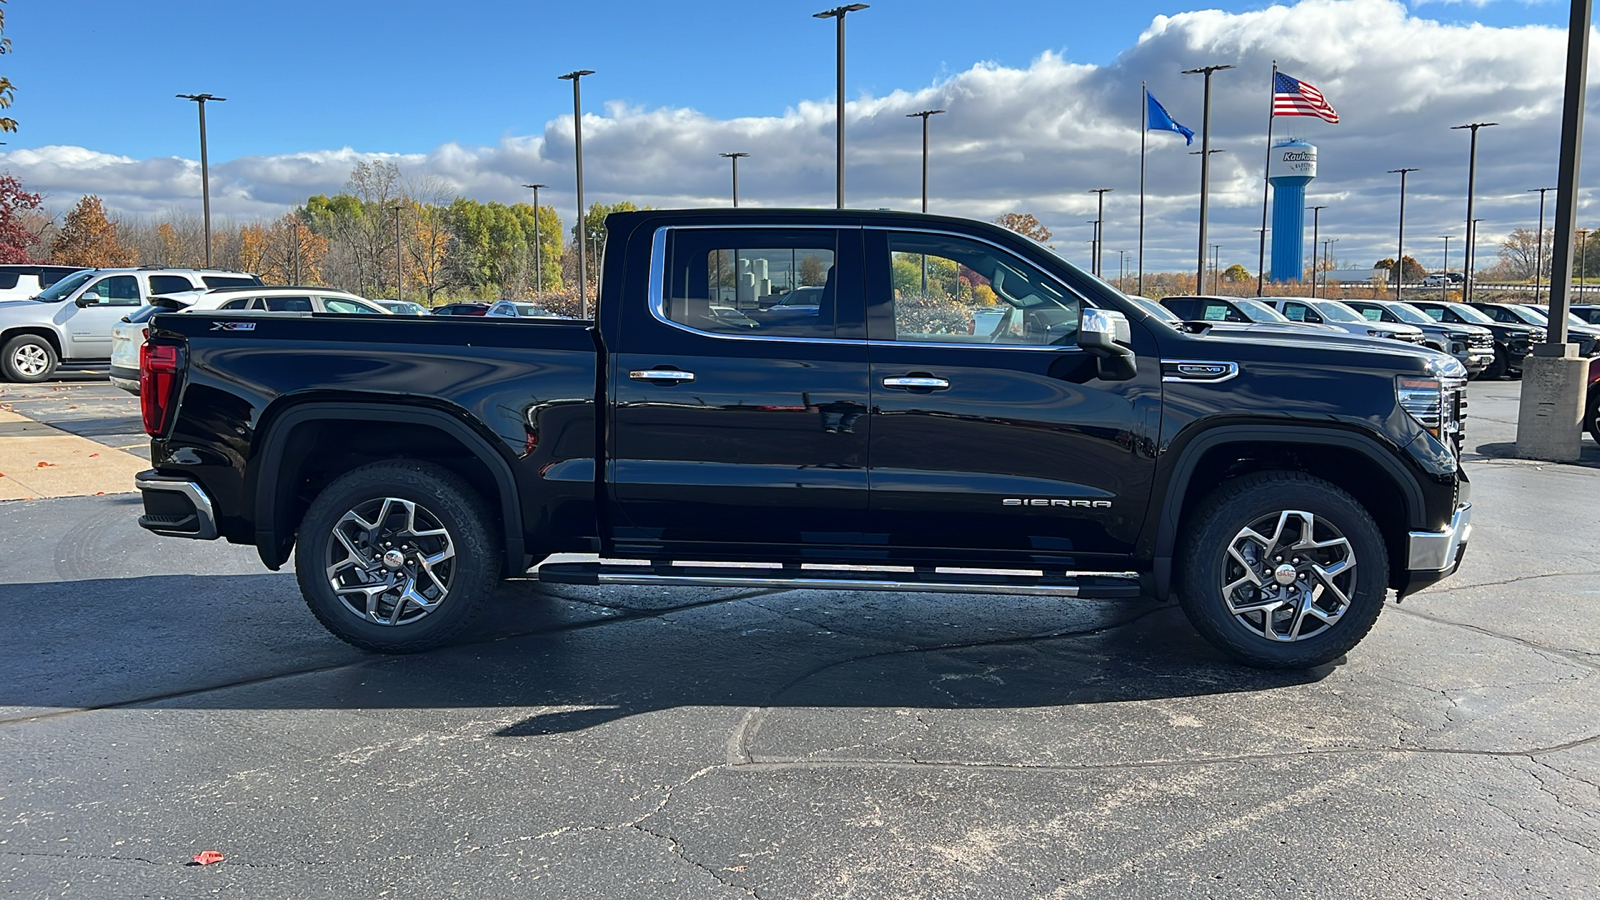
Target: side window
1372,315
169,284
8,280
1295,311
955,290
118,290
216,281
752,281
1220,312
1183,309
1435,314
339,305
241,303
289,304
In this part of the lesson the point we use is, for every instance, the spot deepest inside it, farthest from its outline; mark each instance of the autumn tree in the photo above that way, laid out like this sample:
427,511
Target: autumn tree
428,250
15,237
1521,253
7,91
1236,274
1024,224
1412,270
89,239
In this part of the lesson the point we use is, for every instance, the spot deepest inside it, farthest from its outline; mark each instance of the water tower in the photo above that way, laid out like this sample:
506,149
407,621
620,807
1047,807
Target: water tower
1293,164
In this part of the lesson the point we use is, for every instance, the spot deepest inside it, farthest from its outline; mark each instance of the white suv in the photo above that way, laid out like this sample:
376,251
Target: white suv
69,323
129,334
24,281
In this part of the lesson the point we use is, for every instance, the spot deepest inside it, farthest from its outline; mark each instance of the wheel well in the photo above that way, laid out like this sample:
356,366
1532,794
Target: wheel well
316,452
49,336
1348,469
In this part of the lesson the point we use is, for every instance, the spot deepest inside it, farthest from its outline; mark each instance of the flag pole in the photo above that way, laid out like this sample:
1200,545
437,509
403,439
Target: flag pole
1144,129
1261,260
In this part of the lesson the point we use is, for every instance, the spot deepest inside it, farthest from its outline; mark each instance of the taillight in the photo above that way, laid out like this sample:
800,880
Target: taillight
158,386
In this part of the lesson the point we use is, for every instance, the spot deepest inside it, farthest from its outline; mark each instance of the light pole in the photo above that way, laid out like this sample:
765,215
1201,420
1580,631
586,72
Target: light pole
924,117
1216,264
1400,251
1327,263
1444,286
1583,254
1122,268
1538,258
538,249
1205,162
399,256
1472,179
577,146
839,13
1316,216
1099,224
734,158
205,165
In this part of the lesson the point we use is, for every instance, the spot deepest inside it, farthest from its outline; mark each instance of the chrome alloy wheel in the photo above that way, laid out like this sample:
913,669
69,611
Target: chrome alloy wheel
391,561
1288,576
30,360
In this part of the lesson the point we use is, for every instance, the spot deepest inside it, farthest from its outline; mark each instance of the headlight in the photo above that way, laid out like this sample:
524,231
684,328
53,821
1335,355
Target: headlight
1432,399
1371,332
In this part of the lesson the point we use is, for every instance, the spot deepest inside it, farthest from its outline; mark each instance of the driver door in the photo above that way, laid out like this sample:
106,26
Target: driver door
88,328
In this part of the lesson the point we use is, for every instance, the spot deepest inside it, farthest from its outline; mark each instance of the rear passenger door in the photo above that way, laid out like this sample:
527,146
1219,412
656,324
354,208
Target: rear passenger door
731,427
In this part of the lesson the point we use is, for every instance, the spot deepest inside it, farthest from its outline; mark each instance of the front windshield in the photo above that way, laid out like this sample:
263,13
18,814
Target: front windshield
59,291
1405,312
1256,311
1531,316
1470,314
1155,309
1334,311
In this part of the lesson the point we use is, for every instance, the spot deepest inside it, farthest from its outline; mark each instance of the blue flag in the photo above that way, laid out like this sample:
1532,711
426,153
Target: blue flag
1160,121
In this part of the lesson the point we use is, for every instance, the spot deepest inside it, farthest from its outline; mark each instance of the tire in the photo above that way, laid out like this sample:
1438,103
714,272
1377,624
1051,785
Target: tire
28,359
1269,511
441,566
1591,416
1497,369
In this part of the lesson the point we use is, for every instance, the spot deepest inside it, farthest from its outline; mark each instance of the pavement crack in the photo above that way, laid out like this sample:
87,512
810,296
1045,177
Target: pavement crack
679,852
1586,659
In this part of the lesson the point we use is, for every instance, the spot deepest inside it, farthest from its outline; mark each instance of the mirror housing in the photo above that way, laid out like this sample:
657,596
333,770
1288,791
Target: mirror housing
88,299
1106,334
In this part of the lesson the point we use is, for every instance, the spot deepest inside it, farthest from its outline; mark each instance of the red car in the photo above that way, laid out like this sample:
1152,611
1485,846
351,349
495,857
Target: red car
1591,411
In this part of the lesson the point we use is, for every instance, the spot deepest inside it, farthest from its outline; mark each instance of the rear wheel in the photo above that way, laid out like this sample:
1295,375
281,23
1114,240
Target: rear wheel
1591,415
397,557
28,359
1283,571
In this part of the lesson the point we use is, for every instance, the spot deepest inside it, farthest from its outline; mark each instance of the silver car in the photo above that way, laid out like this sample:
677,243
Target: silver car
1335,314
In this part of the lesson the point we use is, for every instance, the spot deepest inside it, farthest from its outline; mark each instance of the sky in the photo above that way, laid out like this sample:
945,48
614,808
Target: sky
1043,101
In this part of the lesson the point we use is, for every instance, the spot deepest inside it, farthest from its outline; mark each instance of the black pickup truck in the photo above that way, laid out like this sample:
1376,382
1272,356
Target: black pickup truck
945,406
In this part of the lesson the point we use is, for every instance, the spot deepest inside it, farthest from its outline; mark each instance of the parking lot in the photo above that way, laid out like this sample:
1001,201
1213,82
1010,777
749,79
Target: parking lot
162,697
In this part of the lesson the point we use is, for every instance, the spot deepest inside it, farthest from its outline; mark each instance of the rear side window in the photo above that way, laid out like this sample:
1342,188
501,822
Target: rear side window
288,304
343,305
216,281
241,303
755,281
8,280
169,284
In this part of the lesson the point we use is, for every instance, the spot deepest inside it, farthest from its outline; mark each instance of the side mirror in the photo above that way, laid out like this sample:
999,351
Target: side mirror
1107,335
89,299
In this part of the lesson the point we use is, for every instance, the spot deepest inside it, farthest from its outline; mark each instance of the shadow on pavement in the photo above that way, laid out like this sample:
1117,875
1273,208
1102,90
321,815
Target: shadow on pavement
1589,453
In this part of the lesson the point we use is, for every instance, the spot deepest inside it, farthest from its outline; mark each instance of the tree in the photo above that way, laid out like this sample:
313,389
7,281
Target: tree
1236,274
7,91
1413,270
1521,252
1024,224
89,239
15,238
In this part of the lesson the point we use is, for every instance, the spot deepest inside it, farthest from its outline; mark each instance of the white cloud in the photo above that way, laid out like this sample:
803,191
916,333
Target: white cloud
1034,139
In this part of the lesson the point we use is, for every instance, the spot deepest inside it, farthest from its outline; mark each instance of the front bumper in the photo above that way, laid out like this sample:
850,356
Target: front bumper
1432,556
175,506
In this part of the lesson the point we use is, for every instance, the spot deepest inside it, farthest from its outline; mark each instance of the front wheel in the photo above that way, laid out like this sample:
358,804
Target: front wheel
28,359
397,557
1283,571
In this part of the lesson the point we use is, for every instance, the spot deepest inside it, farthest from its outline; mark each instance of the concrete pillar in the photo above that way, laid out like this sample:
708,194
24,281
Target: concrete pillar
1550,419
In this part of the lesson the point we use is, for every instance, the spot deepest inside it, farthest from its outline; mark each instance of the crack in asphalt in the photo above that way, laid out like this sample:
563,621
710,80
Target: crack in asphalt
1586,659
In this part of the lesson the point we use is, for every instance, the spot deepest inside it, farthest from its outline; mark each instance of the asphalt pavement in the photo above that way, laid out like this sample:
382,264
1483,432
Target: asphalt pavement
162,697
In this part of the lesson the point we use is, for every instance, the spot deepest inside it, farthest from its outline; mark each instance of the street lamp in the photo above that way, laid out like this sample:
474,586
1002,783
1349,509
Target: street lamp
538,248
1472,179
1444,286
1316,216
734,157
1216,264
1400,251
1583,254
1099,224
924,117
1205,162
1122,268
839,13
1538,258
1327,262
205,165
577,146
399,256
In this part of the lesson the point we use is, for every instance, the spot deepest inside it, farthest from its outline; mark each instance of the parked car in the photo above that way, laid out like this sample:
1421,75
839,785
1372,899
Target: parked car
1235,311
1277,487
403,307
514,309
25,281
1579,332
804,295
69,323
1590,314
1473,345
1512,340
1591,409
1318,311
461,309
1443,279
129,335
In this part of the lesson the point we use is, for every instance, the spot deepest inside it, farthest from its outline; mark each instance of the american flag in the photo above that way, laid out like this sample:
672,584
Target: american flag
1291,97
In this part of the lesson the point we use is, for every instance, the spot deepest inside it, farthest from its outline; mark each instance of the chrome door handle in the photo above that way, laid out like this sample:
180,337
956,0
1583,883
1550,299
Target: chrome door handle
660,375
917,381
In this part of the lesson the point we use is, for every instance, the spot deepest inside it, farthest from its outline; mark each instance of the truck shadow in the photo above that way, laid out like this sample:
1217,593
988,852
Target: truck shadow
574,658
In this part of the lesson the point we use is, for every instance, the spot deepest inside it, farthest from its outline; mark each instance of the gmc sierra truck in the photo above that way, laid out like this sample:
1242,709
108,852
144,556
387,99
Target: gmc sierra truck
954,408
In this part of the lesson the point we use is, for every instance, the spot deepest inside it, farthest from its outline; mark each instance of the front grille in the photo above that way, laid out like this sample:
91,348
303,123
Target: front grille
1481,341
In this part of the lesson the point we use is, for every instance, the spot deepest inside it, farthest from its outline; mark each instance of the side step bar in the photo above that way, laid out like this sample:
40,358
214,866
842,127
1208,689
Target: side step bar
1101,586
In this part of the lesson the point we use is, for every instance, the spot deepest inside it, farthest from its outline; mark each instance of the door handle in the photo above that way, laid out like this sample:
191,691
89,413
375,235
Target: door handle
673,375
917,382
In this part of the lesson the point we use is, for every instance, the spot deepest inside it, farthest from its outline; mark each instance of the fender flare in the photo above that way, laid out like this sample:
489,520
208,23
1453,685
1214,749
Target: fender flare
1166,537
272,544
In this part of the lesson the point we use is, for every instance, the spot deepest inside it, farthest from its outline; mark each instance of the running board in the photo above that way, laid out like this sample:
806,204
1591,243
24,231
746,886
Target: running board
1099,586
